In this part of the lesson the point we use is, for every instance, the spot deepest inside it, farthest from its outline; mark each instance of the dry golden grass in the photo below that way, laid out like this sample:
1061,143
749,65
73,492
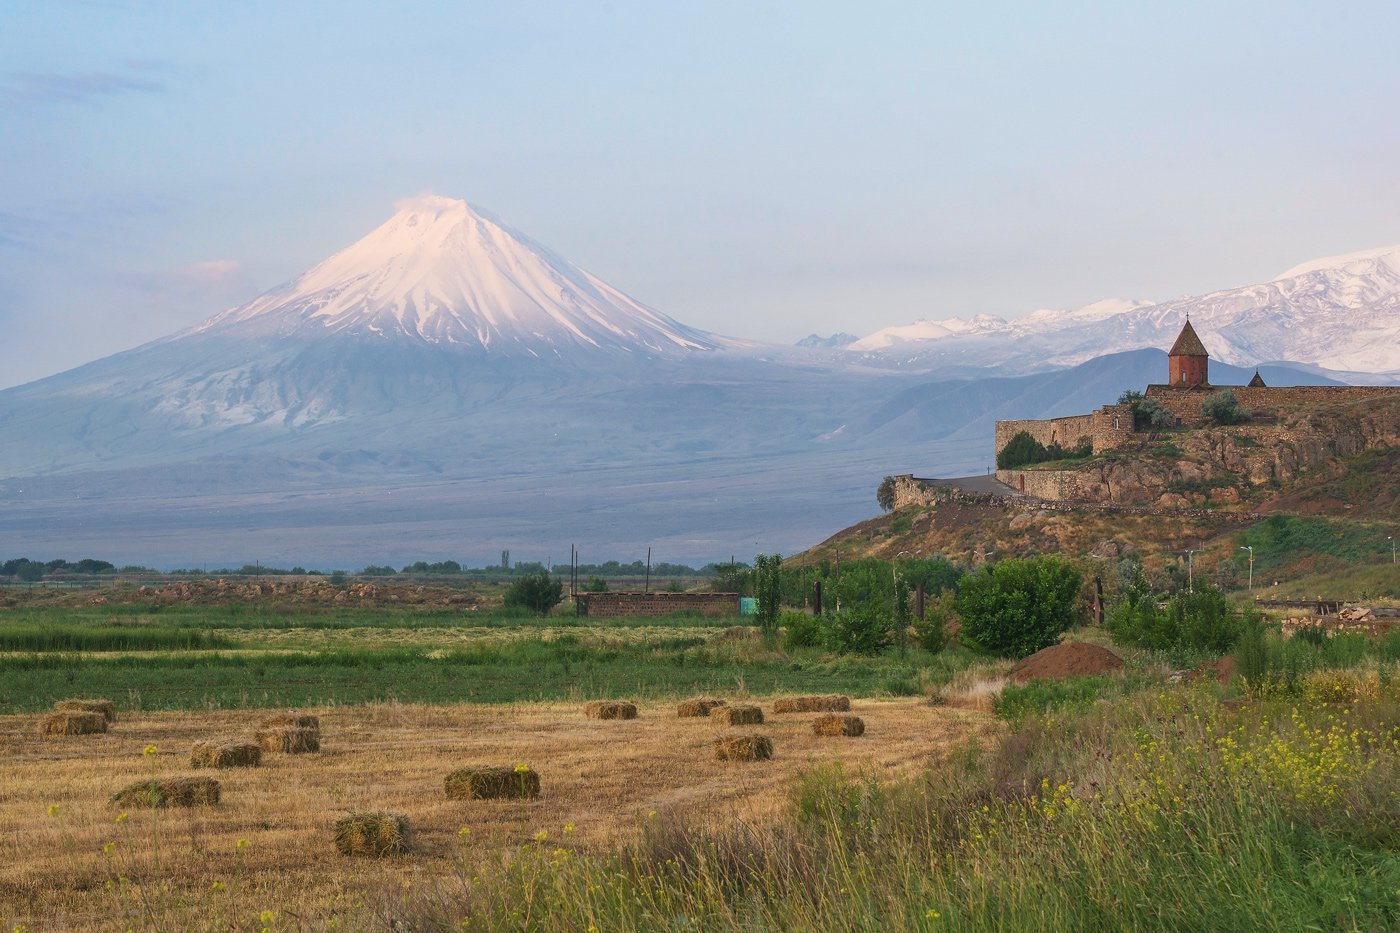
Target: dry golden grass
603,779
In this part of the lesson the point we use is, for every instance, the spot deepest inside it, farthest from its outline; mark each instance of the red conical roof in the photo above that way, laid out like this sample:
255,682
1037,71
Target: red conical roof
1188,344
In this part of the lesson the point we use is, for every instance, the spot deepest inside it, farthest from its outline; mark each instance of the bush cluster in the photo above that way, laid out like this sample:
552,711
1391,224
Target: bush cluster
1024,450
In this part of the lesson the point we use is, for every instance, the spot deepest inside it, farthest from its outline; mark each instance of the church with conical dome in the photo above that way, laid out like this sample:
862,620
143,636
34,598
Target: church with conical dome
1177,403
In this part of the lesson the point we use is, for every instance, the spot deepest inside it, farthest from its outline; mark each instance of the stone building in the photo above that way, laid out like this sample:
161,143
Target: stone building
1188,384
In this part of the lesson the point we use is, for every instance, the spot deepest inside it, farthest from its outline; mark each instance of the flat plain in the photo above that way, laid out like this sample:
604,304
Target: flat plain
64,850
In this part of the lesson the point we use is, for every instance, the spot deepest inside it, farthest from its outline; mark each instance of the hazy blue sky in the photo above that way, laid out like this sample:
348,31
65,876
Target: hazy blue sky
759,169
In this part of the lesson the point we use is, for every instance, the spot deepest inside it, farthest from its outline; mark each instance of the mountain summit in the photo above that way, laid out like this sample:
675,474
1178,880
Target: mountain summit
443,272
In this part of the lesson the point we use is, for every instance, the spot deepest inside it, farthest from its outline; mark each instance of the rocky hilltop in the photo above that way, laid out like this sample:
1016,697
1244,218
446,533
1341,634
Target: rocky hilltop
1255,465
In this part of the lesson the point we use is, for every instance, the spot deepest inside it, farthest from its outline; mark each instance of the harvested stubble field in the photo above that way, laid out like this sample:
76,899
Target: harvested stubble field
601,781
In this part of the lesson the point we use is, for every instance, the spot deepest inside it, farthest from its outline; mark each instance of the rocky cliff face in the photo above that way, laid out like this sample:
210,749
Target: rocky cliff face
1225,466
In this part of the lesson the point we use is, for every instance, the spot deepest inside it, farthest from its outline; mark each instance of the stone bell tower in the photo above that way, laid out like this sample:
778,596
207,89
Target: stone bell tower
1188,362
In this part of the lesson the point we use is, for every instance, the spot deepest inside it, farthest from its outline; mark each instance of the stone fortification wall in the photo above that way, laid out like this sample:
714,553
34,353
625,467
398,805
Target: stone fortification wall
1185,404
1109,428
658,604
1071,432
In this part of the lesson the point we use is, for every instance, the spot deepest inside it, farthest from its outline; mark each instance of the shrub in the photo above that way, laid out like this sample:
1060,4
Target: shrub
1200,621
1147,412
862,628
1017,607
800,630
1224,408
884,494
537,591
932,630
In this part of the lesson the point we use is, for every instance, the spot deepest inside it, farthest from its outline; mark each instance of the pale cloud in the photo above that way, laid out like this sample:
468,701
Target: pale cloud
86,87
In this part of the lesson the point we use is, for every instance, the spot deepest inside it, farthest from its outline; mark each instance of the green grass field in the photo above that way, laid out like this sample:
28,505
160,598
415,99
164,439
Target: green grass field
218,658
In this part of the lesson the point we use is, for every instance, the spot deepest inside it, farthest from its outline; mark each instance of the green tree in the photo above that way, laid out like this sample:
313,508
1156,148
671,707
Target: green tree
1224,408
30,571
768,589
1021,450
884,494
596,585
1017,607
537,591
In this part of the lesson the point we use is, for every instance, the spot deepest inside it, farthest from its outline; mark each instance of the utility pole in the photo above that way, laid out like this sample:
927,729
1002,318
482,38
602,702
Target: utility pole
1190,577
1250,549
647,588
1391,539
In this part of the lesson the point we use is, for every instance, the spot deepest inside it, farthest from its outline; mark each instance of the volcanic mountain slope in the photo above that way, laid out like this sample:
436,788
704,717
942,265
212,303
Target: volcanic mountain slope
444,272
1341,313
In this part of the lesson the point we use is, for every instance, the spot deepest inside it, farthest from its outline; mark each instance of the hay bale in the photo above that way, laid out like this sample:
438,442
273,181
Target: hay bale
373,834
492,783
225,755
699,706
831,703
744,748
610,709
739,715
832,724
72,724
289,739
107,708
169,792
291,720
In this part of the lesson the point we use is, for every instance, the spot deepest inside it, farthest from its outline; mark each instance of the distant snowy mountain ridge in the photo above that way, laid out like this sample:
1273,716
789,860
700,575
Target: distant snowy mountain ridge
1341,313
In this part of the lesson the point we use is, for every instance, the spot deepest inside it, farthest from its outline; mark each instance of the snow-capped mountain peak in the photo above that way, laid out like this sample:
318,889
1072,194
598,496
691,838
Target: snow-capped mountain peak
1365,262
1341,313
441,271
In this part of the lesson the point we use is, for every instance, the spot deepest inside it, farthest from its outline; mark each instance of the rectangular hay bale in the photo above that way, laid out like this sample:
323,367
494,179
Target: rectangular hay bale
169,792
107,708
831,703
744,748
374,834
699,706
291,719
73,724
289,739
738,715
492,783
610,709
832,724
225,755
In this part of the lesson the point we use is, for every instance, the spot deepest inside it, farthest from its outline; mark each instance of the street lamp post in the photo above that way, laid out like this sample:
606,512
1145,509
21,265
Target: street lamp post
1250,549
1190,577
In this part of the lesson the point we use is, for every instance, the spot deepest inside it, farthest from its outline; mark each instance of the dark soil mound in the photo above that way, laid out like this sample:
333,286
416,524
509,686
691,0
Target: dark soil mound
1075,659
1223,669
